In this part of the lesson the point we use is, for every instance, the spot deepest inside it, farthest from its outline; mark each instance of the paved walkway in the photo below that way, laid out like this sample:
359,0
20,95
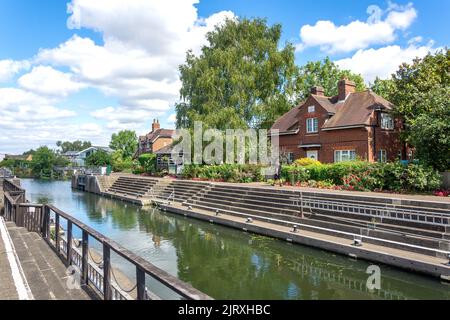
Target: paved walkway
29,268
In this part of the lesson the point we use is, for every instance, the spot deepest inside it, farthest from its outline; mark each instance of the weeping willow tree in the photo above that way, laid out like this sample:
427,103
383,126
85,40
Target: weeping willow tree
243,78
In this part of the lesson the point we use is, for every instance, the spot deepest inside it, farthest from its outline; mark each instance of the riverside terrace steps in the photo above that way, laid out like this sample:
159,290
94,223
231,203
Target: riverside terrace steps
250,198
132,186
289,206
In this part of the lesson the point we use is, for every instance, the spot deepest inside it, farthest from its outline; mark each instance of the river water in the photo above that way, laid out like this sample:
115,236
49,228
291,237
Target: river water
226,263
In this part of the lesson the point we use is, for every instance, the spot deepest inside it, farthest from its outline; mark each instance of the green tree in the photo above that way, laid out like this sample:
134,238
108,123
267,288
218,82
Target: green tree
430,132
44,160
384,88
126,142
414,84
243,77
73,146
99,158
420,92
325,74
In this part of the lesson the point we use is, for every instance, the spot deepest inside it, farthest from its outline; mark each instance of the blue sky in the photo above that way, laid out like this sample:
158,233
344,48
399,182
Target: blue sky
83,69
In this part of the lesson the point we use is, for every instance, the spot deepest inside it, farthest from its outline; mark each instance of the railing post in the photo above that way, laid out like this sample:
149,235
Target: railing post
57,236
140,280
85,256
107,294
69,243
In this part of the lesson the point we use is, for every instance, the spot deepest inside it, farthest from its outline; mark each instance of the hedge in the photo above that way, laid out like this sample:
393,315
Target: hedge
365,176
224,172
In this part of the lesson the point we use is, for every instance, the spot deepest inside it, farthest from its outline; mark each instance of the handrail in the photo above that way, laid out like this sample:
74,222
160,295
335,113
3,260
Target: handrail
178,286
40,220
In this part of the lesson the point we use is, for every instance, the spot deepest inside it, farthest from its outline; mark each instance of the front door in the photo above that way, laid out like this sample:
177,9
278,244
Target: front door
312,154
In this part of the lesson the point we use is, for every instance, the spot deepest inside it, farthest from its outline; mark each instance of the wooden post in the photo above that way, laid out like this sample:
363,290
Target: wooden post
69,243
107,294
140,280
57,236
47,223
85,257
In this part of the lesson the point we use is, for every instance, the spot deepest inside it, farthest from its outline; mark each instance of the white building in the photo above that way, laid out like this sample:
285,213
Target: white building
78,158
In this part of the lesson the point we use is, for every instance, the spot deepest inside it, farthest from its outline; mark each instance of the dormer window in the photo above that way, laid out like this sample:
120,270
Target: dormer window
312,125
311,109
387,122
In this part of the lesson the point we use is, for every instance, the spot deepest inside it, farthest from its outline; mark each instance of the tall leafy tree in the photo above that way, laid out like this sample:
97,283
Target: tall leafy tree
243,77
415,82
326,74
44,160
420,92
126,142
383,87
73,146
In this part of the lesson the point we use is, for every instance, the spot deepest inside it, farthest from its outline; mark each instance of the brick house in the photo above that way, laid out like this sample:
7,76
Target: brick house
155,140
351,125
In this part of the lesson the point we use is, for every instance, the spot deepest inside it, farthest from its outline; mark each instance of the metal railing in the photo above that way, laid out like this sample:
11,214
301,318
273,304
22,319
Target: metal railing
381,211
39,218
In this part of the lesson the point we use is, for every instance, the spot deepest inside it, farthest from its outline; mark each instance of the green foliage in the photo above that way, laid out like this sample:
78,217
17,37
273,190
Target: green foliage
294,174
126,142
73,146
306,162
420,92
44,160
226,172
416,83
383,88
148,162
365,176
325,74
99,158
120,163
430,132
243,77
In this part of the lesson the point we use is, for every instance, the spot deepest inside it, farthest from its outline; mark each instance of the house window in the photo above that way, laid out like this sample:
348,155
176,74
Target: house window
344,155
387,122
311,109
290,157
382,157
312,125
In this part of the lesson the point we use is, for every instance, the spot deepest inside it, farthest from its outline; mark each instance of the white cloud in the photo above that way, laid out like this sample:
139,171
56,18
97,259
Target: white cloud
384,61
9,68
358,34
47,81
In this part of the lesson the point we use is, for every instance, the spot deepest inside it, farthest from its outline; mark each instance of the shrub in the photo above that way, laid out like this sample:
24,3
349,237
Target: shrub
148,162
303,162
224,172
294,174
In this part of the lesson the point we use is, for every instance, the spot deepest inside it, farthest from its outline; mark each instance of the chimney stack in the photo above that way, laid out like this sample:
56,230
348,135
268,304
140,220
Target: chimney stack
318,91
345,87
155,125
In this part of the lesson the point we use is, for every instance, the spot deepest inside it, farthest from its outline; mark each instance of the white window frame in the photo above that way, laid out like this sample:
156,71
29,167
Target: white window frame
312,125
344,155
382,155
387,122
311,109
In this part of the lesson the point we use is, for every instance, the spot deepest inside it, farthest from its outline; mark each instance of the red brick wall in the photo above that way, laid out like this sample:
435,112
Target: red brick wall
358,139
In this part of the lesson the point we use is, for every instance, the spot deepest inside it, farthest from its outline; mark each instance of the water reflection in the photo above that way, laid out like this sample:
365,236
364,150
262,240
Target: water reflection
229,264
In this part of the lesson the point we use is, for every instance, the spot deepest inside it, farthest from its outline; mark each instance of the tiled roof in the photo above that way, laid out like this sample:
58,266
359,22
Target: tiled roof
357,109
354,111
288,121
160,133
